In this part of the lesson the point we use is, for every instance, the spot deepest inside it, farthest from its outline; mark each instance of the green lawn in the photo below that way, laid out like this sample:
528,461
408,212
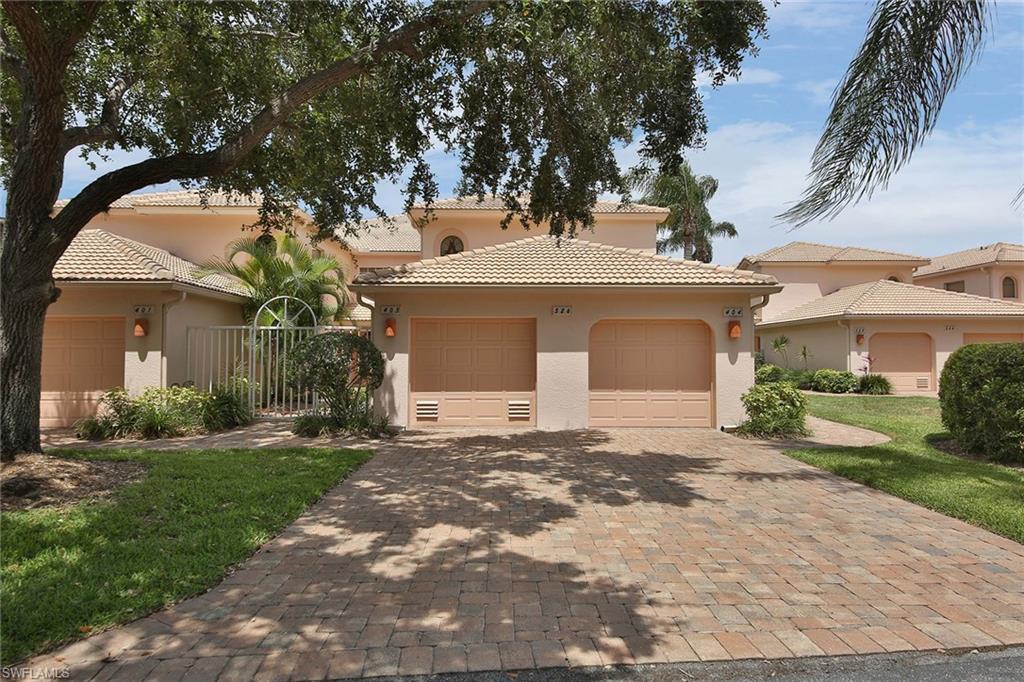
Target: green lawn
170,535
986,495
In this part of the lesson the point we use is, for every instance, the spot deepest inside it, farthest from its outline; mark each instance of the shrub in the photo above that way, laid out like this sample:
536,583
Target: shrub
833,381
344,369
228,406
767,374
981,393
874,384
774,410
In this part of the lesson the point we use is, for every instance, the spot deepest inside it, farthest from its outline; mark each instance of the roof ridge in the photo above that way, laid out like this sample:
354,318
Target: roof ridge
138,248
961,294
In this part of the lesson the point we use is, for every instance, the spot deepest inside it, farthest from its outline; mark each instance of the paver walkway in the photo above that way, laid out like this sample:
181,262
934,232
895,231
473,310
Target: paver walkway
454,551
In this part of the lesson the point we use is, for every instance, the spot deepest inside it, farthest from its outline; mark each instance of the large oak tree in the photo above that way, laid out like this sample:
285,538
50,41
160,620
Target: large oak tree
312,103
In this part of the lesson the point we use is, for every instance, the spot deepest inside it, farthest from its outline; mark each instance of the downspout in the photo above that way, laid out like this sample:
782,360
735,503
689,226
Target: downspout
369,304
849,349
754,307
182,295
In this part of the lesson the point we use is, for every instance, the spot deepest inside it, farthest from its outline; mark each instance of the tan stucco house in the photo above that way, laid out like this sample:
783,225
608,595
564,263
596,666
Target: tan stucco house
854,309
995,270
497,328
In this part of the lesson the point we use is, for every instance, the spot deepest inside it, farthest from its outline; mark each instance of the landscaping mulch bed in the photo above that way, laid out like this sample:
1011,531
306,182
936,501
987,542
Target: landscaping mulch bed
951,446
35,480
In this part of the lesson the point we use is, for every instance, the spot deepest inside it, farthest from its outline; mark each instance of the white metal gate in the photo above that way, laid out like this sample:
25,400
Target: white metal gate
253,358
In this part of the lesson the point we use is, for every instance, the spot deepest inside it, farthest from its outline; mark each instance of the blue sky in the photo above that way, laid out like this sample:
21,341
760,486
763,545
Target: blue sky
955,194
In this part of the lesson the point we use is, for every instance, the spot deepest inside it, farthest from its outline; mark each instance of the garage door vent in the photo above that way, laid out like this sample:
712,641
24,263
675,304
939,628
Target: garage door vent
426,409
922,382
519,409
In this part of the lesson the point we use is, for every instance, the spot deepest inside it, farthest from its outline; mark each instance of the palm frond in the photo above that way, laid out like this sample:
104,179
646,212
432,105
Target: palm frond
913,55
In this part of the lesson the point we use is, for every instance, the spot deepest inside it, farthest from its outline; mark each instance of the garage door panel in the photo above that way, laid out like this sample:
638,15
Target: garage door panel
905,359
82,358
650,373
482,365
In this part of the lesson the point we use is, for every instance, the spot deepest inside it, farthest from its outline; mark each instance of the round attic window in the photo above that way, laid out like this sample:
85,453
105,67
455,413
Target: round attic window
451,244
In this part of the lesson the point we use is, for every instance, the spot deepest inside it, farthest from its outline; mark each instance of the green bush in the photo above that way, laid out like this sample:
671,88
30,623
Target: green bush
874,384
775,410
766,374
344,369
802,378
833,381
167,412
981,393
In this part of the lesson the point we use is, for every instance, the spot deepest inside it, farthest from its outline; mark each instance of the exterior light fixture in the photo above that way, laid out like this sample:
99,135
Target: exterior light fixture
860,339
390,327
735,329
141,326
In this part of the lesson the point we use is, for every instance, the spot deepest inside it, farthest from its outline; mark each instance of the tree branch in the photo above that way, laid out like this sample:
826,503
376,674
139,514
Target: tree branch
108,127
11,63
100,193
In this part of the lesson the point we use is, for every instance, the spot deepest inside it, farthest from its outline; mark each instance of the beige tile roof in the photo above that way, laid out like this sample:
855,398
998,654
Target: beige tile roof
809,252
896,299
492,203
359,313
101,256
393,234
182,197
1000,252
549,261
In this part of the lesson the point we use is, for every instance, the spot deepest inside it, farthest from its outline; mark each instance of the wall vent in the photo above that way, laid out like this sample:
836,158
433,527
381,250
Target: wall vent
922,383
519,409
426,409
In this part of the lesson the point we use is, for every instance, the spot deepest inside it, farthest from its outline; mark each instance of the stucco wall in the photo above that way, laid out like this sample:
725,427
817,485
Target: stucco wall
826,343
194,311
986,281
385,260
478,229
805,283
143,358
562,342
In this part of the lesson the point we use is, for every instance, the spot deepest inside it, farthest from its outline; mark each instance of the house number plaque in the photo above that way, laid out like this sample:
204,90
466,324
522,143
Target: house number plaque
390,309
561,310
732,312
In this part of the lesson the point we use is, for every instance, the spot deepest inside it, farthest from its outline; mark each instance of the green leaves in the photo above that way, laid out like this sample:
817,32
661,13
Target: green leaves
889,101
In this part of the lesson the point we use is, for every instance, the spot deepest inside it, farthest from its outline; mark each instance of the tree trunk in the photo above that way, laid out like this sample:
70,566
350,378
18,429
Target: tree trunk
27,292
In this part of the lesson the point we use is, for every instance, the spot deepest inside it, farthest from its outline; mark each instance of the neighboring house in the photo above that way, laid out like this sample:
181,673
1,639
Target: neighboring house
902,331
810,271
497,328
996,271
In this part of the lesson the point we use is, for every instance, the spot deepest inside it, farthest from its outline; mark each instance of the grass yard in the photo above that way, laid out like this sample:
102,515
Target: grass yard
983,494
69,571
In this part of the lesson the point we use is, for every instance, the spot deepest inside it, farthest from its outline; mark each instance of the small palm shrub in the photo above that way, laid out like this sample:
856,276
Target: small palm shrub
766,374
833,381
774,410
874,384
981,393
344,369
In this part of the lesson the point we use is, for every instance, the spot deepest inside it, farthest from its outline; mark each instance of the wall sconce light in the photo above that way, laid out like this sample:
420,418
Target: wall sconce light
390,327
735,329
860,339
141,326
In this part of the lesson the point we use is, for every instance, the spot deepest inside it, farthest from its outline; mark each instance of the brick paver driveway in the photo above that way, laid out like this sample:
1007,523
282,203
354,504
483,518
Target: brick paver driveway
477,551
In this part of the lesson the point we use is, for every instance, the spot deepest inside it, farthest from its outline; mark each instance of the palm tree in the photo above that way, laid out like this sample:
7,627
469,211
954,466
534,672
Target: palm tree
780,344
689,225
281,265
913,55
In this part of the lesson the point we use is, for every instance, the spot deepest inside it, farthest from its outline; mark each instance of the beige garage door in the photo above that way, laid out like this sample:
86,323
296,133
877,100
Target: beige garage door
905,359
650,373
82,358
992,338
473,372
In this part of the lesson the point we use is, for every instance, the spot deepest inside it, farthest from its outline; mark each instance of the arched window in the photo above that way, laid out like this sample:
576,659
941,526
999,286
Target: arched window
1009,287
451,244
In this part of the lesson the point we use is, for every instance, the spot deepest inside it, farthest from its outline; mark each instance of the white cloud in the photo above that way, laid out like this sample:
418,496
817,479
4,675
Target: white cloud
752,76
816,15
820,91
955,193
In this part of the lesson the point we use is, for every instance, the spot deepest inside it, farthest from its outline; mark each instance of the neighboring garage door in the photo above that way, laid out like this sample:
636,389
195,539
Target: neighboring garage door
473,372
650,373
992,338
82,358
905,359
